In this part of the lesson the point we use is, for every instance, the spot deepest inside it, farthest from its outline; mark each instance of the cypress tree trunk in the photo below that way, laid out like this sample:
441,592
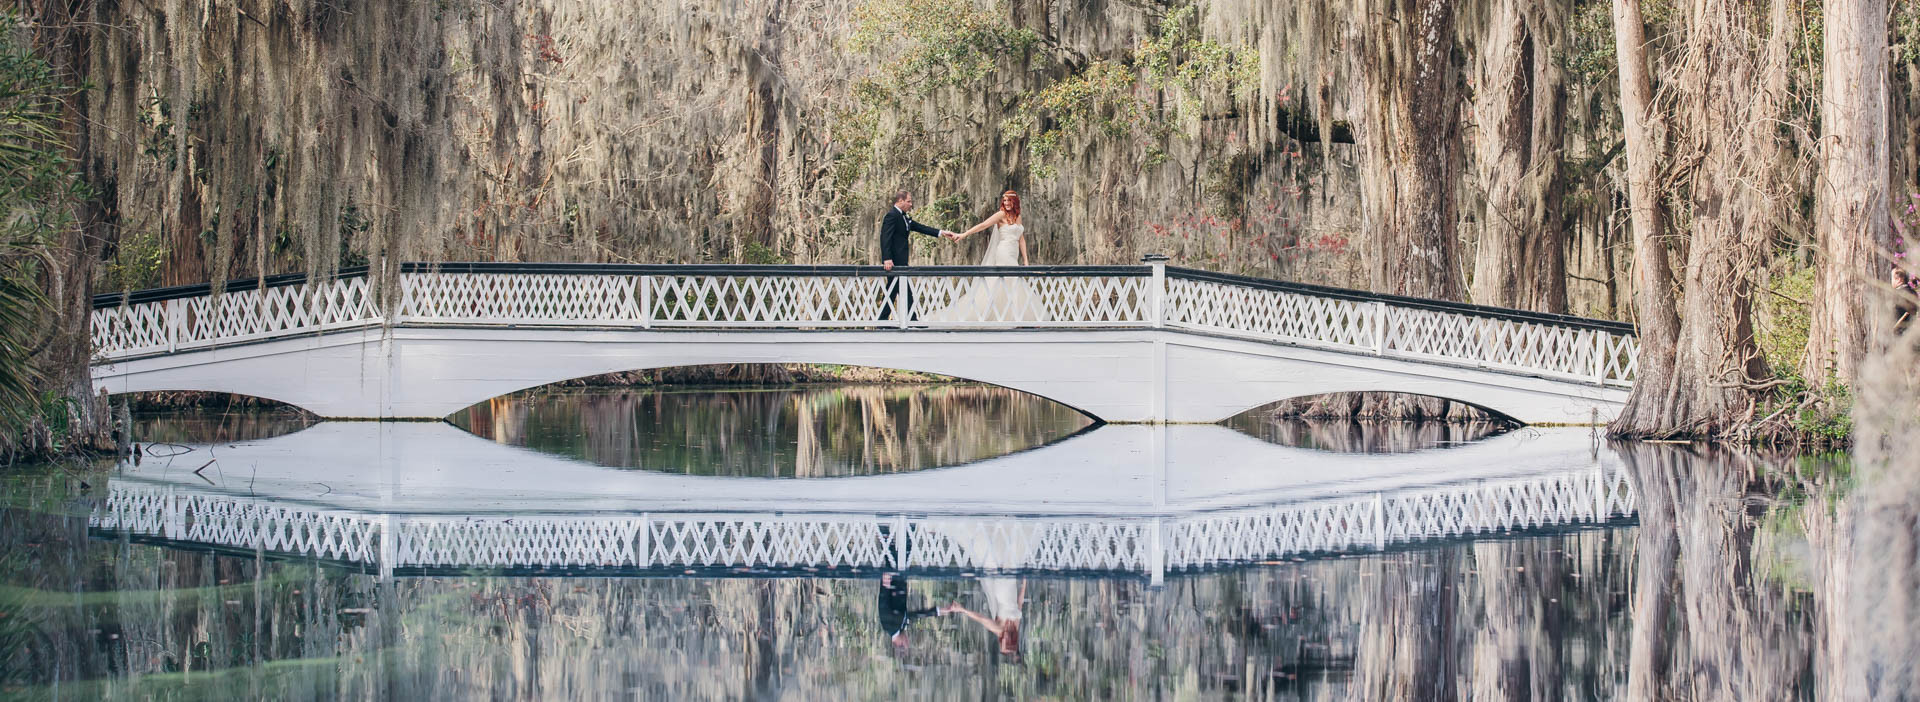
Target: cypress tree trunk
65,355
1733,200
765,129
1729,92
1412,142
1658,322
1852,197
1521,260
1412,162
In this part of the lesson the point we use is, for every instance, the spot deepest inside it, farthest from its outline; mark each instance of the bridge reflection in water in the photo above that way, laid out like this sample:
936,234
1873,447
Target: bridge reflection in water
422,499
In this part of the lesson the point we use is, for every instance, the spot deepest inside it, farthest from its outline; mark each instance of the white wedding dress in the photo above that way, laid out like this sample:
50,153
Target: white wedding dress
996,299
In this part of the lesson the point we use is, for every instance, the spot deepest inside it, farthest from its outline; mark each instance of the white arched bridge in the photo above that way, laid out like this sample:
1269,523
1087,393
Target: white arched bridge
1144,343
1148,501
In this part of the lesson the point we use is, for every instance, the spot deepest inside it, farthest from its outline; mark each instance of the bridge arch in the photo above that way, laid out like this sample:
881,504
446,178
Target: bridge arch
722,362
1347,404
202,397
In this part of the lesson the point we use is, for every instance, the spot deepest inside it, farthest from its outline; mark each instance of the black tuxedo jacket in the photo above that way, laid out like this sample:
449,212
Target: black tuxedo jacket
894,615
893,236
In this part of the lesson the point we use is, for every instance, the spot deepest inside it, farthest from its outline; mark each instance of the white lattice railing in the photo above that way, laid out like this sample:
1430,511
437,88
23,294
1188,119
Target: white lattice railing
240,523
798,543
237,316
1577,350
731,297
786,297
1386,519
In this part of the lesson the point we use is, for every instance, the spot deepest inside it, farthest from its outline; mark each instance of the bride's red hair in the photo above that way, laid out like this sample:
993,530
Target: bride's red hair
1010,203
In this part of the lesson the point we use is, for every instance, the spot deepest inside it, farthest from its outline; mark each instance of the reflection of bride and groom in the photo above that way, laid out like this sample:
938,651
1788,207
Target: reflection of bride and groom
1001,620
983,546
987,299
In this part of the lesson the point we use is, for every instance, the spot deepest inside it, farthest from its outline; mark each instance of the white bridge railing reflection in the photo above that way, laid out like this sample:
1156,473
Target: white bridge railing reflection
789,543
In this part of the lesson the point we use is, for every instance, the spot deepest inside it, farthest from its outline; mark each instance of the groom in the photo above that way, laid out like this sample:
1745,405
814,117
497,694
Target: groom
895,250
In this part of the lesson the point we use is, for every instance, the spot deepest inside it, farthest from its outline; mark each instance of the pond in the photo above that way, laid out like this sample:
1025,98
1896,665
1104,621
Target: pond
887,542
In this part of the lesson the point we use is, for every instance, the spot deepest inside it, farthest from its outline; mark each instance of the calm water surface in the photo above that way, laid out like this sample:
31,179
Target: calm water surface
362,561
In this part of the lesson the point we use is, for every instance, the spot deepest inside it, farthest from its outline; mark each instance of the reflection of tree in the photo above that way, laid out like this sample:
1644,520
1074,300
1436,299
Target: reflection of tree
1362,436
803,432
1710,628
1653,584
1518,650
1409,649
1379,406
216,427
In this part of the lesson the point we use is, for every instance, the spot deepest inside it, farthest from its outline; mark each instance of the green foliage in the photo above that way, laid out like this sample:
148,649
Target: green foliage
1101,99
1821,414
1179,59
1110,97
353,222
1829,419
760,254
156,116
949,43
56,412
37,187
136,263
1782,319
1659,14
1906,33
934,47
950,211
20,305
926,48
1591,59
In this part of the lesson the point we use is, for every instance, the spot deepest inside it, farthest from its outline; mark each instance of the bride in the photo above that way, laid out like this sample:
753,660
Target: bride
998,299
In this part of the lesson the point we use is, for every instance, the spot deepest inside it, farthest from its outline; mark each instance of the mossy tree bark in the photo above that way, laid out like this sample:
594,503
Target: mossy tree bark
764,60
1658,320
1411,166
1851,195
1728,180
1413,148
1521,259
65,352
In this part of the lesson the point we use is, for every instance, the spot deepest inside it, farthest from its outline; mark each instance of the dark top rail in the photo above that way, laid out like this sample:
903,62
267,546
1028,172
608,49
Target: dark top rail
772,271
134,297
1547,318
182,291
